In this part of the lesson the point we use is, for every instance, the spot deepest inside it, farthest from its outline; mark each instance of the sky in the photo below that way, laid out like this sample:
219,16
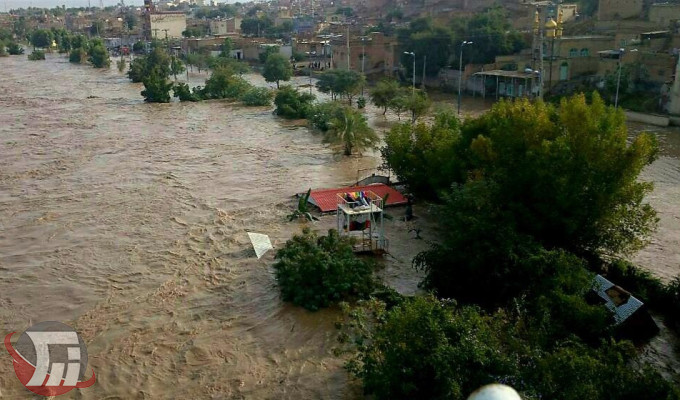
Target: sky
11,4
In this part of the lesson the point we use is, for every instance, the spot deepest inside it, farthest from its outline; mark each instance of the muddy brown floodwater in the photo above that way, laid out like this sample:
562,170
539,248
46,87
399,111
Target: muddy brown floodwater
128,221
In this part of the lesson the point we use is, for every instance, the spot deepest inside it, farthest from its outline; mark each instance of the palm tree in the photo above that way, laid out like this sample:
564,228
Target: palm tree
351,130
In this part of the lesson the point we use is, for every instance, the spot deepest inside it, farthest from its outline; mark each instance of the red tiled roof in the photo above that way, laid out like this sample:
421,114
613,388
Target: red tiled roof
327,199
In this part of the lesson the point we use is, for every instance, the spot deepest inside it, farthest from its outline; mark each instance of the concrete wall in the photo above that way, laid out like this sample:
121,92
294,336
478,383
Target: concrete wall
175,23
225,26
619,9
664,14
380,54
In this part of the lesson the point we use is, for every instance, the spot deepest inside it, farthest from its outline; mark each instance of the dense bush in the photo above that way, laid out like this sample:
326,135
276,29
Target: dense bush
3,50
157,60
77,55
292,104
37,55
322,114
424,348
314,272
15,49
257,97
99,56
223,84
527,176
184,93
156,87
648,288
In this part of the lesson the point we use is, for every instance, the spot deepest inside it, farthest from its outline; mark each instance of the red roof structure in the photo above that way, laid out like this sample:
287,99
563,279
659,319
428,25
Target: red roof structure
327,199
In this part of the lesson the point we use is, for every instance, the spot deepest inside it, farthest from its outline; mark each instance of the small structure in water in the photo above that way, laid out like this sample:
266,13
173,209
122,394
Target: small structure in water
360,217
630,314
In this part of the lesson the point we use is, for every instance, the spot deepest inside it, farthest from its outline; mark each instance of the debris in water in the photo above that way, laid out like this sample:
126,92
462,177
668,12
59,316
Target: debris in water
261,243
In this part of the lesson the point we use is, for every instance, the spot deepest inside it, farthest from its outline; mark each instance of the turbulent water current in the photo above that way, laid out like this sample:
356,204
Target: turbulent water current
128,221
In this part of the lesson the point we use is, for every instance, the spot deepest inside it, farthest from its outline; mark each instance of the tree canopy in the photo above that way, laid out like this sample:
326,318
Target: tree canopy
523,177
340,82
277,68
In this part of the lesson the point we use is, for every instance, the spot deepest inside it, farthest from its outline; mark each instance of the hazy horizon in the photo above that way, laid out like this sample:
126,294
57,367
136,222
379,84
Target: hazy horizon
7,5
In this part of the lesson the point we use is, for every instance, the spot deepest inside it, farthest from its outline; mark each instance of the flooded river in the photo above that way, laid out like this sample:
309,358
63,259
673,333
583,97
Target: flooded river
128,221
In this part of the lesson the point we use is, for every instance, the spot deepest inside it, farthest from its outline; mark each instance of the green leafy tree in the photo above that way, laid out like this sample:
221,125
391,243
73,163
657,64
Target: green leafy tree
268,51
531,176
257,97
41,38
176,66
138,47
253,26
351,131
3,51
226,48
156,87
425,349
15,49
422,155
322,114
222,84
315,272
36,55
184,93
292,104
99,56
131,20
277,68
137,70
492,34
340,83
384,92
418,104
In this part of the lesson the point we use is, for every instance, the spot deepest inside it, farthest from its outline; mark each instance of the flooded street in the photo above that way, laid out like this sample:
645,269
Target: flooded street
128,221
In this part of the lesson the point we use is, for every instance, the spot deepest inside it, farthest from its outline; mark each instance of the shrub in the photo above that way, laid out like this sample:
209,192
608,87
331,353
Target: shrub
156,88
257,97
314,272
139,47
14,49
77,56
292,104
99,56
184,93
424,348
222,84
322,114
361,102
3,51
37,55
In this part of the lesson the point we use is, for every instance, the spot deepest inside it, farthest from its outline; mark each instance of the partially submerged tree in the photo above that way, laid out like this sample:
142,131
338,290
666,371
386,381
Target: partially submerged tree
292,104
351,131
156,87
277,68
315,272
384,92
342,83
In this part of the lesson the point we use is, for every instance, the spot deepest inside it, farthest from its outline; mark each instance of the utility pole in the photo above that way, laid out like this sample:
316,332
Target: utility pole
363,61
413,54
348,65
422,84
460,70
